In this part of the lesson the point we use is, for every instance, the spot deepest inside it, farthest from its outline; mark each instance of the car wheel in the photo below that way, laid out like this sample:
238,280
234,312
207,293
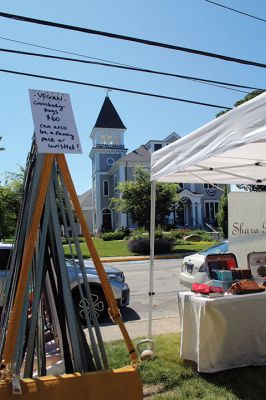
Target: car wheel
99,304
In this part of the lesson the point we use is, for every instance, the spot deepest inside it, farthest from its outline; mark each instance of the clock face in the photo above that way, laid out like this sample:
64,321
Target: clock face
110,161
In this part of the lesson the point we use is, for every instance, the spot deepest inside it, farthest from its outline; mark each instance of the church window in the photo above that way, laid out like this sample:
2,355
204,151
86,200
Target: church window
105,188
103,139
109,139
106,139
116,140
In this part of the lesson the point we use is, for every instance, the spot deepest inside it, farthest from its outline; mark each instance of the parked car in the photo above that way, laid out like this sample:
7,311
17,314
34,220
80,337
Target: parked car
193,267
116,278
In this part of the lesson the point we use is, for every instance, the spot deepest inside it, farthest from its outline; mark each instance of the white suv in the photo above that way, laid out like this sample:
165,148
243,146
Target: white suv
116,278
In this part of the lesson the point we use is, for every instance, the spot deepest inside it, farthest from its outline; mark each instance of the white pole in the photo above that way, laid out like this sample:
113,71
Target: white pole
152,229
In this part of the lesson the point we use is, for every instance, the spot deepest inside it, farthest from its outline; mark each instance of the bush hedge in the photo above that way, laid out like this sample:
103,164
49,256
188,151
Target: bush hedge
142,246
66,241
116,235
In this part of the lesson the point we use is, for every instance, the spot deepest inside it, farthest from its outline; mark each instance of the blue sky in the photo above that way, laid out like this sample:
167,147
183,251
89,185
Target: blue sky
195,24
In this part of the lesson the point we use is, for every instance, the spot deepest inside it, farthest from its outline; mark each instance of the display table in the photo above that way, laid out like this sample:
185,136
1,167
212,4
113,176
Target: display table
223,333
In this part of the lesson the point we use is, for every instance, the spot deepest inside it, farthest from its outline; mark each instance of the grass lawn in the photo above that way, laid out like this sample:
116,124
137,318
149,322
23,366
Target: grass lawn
112,248
118,248
166,378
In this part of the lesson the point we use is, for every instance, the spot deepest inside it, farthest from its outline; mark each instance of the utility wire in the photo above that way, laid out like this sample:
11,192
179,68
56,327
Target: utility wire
113,88
237,11
208,81
130,39
61,51
224,85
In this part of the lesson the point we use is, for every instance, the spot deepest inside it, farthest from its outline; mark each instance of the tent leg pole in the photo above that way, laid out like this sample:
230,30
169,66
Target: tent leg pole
152,230
148,353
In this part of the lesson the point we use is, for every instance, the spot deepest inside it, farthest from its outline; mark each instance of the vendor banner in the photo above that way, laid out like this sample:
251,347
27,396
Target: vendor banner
247,226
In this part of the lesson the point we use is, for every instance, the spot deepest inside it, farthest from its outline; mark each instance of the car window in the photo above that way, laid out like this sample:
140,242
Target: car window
220,248
4,258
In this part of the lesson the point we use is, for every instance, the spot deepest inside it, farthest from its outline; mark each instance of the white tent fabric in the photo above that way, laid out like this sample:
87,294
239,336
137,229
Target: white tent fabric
230,149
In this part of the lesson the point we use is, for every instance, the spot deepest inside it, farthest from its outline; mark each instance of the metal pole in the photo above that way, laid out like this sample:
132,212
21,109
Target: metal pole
152,229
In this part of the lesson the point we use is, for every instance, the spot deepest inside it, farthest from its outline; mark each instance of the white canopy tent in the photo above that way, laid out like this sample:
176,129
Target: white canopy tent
229,150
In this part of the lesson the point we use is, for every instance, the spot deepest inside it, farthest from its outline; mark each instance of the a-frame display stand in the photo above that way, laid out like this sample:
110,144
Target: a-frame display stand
39,290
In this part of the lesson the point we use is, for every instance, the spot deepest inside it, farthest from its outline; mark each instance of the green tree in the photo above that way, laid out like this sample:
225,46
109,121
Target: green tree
10,200
222,214
135,199
248,97
1,148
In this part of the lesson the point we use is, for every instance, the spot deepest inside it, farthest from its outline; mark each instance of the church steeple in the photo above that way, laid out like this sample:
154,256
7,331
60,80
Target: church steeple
108,117
108,147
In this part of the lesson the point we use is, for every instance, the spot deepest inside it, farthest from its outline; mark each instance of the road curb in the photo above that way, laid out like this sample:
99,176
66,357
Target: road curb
141,258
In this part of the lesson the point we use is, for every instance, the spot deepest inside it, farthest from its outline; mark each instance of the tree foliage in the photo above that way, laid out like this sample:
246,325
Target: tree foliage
248,97
135,199
222,214
1,148
10,200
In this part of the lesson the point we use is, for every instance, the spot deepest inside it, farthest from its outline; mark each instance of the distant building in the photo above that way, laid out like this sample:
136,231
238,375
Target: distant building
112,164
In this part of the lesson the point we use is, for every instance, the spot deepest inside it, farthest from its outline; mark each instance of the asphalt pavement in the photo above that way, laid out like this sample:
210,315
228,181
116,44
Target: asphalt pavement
139,328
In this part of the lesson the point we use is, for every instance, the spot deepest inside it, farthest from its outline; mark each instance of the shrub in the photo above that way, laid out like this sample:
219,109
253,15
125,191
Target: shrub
142,246
158,234
116,235
140,233
126,230
169,236
205,236
180,233
81,239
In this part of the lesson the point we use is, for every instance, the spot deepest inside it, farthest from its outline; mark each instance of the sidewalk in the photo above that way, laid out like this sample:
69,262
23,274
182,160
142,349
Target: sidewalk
136,329
139,328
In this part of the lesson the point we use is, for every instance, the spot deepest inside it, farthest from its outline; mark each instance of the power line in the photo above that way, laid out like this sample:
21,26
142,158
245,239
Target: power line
113,88
224,85
237,11
131,39
61,51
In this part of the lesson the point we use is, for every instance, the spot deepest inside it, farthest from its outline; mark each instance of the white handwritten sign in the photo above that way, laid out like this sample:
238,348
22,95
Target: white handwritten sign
54,123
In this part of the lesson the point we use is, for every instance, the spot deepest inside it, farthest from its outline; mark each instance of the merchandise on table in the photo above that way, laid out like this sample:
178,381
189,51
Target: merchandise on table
245,287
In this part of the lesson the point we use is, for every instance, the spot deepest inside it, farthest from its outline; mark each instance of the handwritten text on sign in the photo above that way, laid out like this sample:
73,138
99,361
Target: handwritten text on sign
54,123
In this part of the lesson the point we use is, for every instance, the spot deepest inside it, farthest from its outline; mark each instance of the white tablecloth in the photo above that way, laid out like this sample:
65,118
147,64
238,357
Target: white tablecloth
223,333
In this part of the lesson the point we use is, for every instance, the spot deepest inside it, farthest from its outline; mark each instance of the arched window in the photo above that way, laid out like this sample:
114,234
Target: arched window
105,188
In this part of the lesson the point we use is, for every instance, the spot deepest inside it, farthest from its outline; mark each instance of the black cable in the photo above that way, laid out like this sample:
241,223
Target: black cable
114,88
134,67
62,51
237,11
130,38
206,81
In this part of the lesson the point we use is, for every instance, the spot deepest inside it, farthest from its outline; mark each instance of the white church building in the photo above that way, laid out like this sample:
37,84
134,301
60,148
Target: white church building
111,164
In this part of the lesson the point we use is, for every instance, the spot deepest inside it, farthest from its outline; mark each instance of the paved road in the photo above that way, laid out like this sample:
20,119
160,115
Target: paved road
165,286
165,308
